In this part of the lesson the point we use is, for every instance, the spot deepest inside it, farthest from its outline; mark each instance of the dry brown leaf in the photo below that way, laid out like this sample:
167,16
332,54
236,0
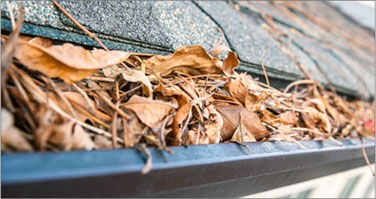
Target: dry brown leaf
213,129
100,104
79,100
180,116
192,138
10,135
246,92
316,115
172,91
102,142
193,60
190,88
217,50
269,117
250,121
241,134
133,129
287,118
111,71
68,62
139,76
225,98
67,136
230,63
150,112
130,76
41,41
184,107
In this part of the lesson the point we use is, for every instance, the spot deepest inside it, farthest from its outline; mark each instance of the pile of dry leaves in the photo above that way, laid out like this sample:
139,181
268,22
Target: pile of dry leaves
65,97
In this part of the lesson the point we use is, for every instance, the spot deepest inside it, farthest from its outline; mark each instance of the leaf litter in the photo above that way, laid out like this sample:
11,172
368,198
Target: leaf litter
65,97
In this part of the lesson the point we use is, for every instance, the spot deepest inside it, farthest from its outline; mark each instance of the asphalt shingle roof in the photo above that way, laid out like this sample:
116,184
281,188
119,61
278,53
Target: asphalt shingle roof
327,44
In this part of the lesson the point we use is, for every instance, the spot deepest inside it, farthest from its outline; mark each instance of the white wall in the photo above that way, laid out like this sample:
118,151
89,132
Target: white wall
332,186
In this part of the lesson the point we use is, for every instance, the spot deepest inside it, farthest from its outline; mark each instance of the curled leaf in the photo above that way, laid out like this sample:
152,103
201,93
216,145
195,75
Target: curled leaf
41,41
193,60
133,129
231,117
102,143
12,136
68,62
230,63
246,92
193,137
181,115
213,129
150,112
241,134
316,116
138,76
217,50
67,136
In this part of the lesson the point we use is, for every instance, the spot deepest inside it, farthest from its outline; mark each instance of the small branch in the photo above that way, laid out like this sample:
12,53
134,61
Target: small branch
366,157
10,9
266,75
114,127
91,107
91,35
142,148
109,103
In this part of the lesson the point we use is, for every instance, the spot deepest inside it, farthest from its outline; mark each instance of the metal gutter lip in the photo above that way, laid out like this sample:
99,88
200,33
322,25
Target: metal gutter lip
72,172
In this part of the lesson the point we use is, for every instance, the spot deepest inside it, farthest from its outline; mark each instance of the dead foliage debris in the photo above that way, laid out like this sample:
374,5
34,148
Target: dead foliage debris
66,97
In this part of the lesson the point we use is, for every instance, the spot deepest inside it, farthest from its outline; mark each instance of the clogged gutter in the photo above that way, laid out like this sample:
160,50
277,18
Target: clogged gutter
65,97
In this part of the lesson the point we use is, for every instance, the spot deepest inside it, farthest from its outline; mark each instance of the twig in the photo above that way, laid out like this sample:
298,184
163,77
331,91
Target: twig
241,144
306,129
7,50
114,119
97,89
109,103
117,95
241,128
18,85
161,136
187,121
206,82
92,117
5,94
61,95
114,127
306,81
220,40
336,141
366,157
197,136
104,79
83,93
91,35
142,148
10,9
129,91
266,75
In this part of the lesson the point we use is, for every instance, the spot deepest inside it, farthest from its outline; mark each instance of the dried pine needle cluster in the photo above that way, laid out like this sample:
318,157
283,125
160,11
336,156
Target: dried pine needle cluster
64,97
